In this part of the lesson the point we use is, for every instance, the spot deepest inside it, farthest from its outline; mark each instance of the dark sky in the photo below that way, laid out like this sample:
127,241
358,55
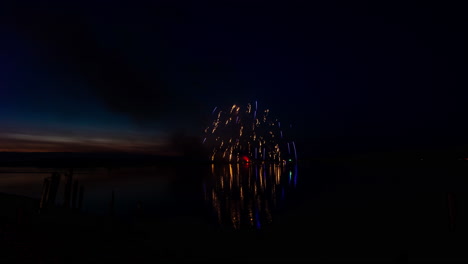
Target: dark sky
351,76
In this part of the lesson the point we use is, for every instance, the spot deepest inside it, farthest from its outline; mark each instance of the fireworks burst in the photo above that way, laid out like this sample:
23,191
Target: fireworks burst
248,134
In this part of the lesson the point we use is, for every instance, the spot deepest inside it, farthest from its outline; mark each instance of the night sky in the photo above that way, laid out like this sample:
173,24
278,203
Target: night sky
352,77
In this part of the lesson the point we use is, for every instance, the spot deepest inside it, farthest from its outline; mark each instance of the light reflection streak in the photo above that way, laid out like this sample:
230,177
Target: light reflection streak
248,202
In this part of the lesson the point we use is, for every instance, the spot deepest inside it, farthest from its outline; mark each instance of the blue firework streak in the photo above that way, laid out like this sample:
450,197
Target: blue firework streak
247,134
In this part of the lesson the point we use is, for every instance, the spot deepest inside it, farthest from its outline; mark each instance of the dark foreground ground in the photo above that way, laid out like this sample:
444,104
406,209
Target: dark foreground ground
341,211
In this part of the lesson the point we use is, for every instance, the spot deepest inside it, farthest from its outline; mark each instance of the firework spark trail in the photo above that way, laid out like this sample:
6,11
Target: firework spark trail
295,153
239,133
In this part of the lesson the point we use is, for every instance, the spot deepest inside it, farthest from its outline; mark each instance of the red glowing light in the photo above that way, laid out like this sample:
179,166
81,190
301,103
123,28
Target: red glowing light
246,159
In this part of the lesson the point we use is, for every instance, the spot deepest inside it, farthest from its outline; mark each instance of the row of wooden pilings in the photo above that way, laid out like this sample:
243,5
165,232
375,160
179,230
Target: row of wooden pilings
73,192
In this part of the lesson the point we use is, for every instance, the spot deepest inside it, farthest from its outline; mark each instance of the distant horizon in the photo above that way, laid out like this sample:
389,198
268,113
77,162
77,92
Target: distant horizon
403,153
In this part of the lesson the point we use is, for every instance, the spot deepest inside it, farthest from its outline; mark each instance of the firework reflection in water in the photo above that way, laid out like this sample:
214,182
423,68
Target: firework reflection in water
246,196
245,134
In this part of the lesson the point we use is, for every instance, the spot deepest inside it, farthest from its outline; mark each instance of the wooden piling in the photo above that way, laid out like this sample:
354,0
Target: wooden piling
54,185
112,204
80,197
451,210
68,189
45,193
75,195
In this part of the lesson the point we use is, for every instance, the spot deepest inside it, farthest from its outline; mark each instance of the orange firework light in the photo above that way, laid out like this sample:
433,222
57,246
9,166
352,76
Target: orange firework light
248,134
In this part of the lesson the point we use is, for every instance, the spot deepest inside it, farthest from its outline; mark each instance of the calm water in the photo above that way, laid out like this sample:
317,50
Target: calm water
231,196
339,210
247,196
